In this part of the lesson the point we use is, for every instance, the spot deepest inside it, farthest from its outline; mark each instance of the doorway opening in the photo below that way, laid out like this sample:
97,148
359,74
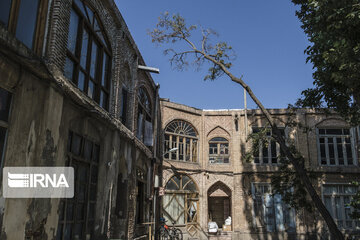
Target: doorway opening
219,203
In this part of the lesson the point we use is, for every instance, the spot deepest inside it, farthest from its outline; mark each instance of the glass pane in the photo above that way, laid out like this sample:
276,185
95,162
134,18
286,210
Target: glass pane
94,174
81,6
92,211
87,150
91,89
218,139
76,144
328,205
338,208
331,151
59,232
82,174
340,151
323,153
80,210
93,192
105,69
68,231
190,186
81,81
96,153
94,49
73,29
90,14
61,210
81,192
84,49
349,153
265,153
68,69
69,211
26,22
78,231
98,31
5,6
5,100
334,131
103,99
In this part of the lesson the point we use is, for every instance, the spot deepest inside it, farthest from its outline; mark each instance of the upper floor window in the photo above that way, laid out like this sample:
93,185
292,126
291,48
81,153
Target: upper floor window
88,61
269,149
144,120
219,150
336,146
181,135
21,17
336,199
271,213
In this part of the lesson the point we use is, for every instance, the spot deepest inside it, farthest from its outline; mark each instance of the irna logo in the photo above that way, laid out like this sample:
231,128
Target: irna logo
16,180
38,182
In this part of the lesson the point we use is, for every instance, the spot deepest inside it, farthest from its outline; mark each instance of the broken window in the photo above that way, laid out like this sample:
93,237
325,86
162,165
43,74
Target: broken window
144,130
181,199
336,146
271,213
5,101
88,61
77,214
219,150
268,151
181,135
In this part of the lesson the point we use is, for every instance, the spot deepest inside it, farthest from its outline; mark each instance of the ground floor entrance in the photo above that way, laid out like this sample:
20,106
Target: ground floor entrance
219,210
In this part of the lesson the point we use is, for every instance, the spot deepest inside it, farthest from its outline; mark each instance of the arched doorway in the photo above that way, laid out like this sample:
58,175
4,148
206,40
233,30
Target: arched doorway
219,203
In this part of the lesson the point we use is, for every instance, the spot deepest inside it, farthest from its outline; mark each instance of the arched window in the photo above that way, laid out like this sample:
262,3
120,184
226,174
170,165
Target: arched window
144,120
181,135
219,150
88,61
180,202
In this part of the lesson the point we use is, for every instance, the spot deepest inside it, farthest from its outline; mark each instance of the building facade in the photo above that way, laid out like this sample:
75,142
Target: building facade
207,178
71,94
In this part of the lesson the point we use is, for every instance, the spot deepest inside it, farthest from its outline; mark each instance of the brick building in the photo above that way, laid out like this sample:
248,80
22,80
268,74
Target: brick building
72,94
207,179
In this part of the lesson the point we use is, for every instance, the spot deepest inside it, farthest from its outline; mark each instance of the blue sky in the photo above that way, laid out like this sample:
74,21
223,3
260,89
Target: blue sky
265,35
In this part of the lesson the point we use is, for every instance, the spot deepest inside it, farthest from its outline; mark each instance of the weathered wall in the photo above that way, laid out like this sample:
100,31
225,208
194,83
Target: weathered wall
46,106
239,174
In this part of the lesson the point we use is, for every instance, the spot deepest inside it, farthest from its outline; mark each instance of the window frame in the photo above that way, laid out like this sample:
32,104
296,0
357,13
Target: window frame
146,113
75,160
333,205
170,143
351,135
39,28
269,150
219,155
265,227
189,196
103,50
